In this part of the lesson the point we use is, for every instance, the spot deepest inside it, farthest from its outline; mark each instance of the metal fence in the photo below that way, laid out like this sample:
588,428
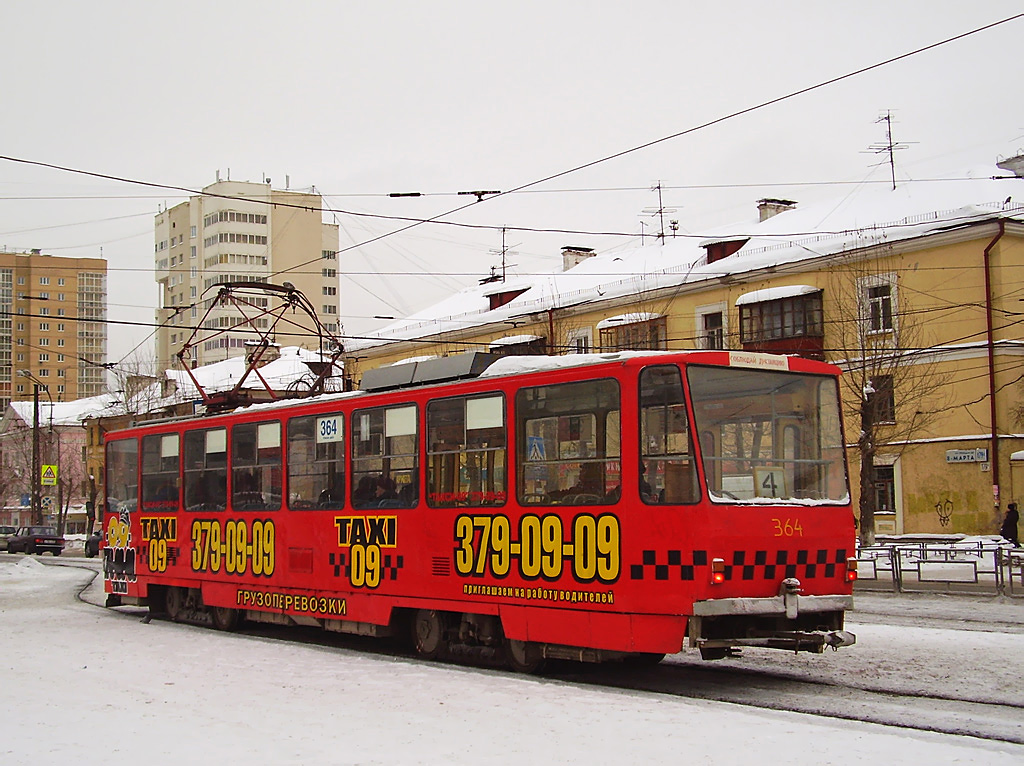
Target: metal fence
977,567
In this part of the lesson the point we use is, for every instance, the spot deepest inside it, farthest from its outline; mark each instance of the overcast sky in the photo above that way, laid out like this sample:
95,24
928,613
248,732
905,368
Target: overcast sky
361,100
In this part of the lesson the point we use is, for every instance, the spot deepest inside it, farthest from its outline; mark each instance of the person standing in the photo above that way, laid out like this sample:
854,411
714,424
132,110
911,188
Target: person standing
1009,528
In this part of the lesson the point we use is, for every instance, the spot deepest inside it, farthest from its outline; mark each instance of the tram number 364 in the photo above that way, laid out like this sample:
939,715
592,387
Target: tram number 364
487,545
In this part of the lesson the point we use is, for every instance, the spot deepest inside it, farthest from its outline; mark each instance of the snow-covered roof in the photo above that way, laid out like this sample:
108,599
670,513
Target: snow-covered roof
775,293
65,413
224,375
865,216
633,318
281,374
511,340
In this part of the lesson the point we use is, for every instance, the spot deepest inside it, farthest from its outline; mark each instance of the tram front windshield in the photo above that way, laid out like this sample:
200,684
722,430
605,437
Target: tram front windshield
769,436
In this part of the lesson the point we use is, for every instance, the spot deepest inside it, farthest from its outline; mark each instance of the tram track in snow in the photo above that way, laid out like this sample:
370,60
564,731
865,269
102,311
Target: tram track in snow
780,691
691,678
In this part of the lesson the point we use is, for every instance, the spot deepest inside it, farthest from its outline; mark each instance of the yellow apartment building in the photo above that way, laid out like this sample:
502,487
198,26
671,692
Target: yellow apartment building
916,293
53,329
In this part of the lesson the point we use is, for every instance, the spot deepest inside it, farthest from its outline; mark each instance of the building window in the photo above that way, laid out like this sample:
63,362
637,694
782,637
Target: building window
43,372
21,357
44,280
60,342
579,342
880,308
43,327
712,330
44,357
883,400
798,316
21,281
620,334
44,311
330,290
21,326
44,296
60,296
44,341
329,272
328,309
885,488
60,374
60,281
21,389
60,312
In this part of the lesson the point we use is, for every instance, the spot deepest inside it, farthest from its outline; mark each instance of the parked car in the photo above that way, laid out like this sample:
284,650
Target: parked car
36,540
5,533
92,544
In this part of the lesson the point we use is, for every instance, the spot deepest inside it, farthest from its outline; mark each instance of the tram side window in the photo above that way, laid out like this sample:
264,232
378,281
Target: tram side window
206,470
316,462
122,476
466,443
668,470
256,466
160,481
568,440
385,457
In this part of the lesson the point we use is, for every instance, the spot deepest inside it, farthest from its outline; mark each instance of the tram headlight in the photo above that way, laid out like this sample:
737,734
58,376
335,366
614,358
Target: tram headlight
717,571
851,569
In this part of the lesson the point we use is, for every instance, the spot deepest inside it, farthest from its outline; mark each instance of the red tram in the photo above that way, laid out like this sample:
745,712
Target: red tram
587,507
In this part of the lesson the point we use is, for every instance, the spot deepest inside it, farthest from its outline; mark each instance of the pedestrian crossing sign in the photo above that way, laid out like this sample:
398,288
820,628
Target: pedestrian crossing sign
49,477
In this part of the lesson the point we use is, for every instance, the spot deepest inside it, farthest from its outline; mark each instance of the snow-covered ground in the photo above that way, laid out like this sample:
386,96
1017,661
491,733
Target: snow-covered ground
82,684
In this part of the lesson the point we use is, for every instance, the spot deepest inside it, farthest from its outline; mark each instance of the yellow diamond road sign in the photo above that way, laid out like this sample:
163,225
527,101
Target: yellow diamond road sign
49,478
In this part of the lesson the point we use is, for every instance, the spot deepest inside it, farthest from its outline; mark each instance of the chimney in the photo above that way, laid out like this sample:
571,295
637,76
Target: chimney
769,208
573,256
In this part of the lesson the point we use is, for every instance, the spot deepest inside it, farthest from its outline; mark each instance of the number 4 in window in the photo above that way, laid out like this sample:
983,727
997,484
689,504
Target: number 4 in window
770,482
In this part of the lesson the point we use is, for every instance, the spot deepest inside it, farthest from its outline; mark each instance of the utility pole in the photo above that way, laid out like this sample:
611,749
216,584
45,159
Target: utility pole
37,500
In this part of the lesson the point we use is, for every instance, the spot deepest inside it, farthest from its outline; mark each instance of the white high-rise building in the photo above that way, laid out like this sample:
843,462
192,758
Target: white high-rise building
240,231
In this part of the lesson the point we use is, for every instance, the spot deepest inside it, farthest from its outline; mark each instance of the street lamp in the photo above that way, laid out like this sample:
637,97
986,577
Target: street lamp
37,500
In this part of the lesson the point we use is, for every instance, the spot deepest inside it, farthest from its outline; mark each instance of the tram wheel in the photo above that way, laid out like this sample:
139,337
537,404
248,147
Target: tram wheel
523,656
224,618
174,603
428,633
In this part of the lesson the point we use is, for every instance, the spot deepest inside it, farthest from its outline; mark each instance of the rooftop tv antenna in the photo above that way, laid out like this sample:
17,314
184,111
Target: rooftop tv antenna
504,252
659,211
888,147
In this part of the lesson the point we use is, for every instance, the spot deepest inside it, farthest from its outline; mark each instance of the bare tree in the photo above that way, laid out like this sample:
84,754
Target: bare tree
890,374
